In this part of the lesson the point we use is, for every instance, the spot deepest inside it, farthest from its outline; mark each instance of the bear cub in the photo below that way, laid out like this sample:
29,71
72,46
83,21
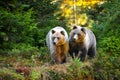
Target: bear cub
82,42
57,42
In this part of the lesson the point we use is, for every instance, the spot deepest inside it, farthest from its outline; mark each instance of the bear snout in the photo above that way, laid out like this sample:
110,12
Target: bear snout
74,39
54,43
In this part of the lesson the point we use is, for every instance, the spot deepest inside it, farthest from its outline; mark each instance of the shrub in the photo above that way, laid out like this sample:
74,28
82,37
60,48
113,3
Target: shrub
106,66
44,54
16,28
110,45
79,71
23,50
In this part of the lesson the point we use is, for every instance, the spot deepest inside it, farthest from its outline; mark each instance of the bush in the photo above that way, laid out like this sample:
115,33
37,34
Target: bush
44,54
107,28
110,45
79,71
16,28
23,50
106,66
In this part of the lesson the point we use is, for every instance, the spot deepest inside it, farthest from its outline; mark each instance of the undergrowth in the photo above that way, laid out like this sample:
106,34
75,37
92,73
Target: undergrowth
104,66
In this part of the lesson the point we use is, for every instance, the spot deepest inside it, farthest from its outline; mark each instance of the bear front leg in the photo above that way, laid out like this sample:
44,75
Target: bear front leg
71,53
63,58
83,55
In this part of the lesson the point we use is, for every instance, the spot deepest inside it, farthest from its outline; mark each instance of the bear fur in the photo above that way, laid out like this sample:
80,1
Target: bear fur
82,42
57,42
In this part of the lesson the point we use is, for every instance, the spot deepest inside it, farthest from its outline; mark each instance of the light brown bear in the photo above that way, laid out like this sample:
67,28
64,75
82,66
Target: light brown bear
57,42
82,42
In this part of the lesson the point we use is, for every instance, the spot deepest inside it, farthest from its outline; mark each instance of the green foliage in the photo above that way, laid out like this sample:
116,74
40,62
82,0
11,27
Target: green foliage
53,75
44,7
34,75
106,66
44,54
111,45
16,28
79,71
25,22
75,69
24,50
76,63
107,26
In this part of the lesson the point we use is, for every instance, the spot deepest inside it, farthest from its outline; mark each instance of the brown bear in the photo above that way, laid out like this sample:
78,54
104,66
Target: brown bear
57,42
82,42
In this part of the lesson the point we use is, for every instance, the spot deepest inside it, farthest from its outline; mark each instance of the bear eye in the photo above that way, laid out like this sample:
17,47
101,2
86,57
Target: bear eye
73,33
58,38
53,38
62,32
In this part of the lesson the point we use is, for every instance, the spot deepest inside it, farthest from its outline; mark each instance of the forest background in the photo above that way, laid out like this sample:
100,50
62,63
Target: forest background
24,25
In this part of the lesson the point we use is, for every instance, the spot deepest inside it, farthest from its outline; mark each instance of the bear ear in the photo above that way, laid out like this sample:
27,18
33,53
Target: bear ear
74,27
83,29
62,32
53,31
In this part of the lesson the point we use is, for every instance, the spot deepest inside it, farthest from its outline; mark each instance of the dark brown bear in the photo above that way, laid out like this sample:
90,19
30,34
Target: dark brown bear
82,42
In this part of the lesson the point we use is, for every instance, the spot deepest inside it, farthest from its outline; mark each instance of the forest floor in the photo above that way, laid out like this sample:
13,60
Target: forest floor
34,69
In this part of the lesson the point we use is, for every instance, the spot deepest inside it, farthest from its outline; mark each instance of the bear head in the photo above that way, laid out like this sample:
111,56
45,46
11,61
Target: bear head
77,34
58,37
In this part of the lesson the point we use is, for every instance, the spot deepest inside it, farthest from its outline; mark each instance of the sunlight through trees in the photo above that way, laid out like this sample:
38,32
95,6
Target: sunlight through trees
74,11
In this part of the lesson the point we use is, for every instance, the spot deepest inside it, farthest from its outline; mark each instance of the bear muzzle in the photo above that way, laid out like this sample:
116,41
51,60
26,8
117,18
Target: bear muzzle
75,37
